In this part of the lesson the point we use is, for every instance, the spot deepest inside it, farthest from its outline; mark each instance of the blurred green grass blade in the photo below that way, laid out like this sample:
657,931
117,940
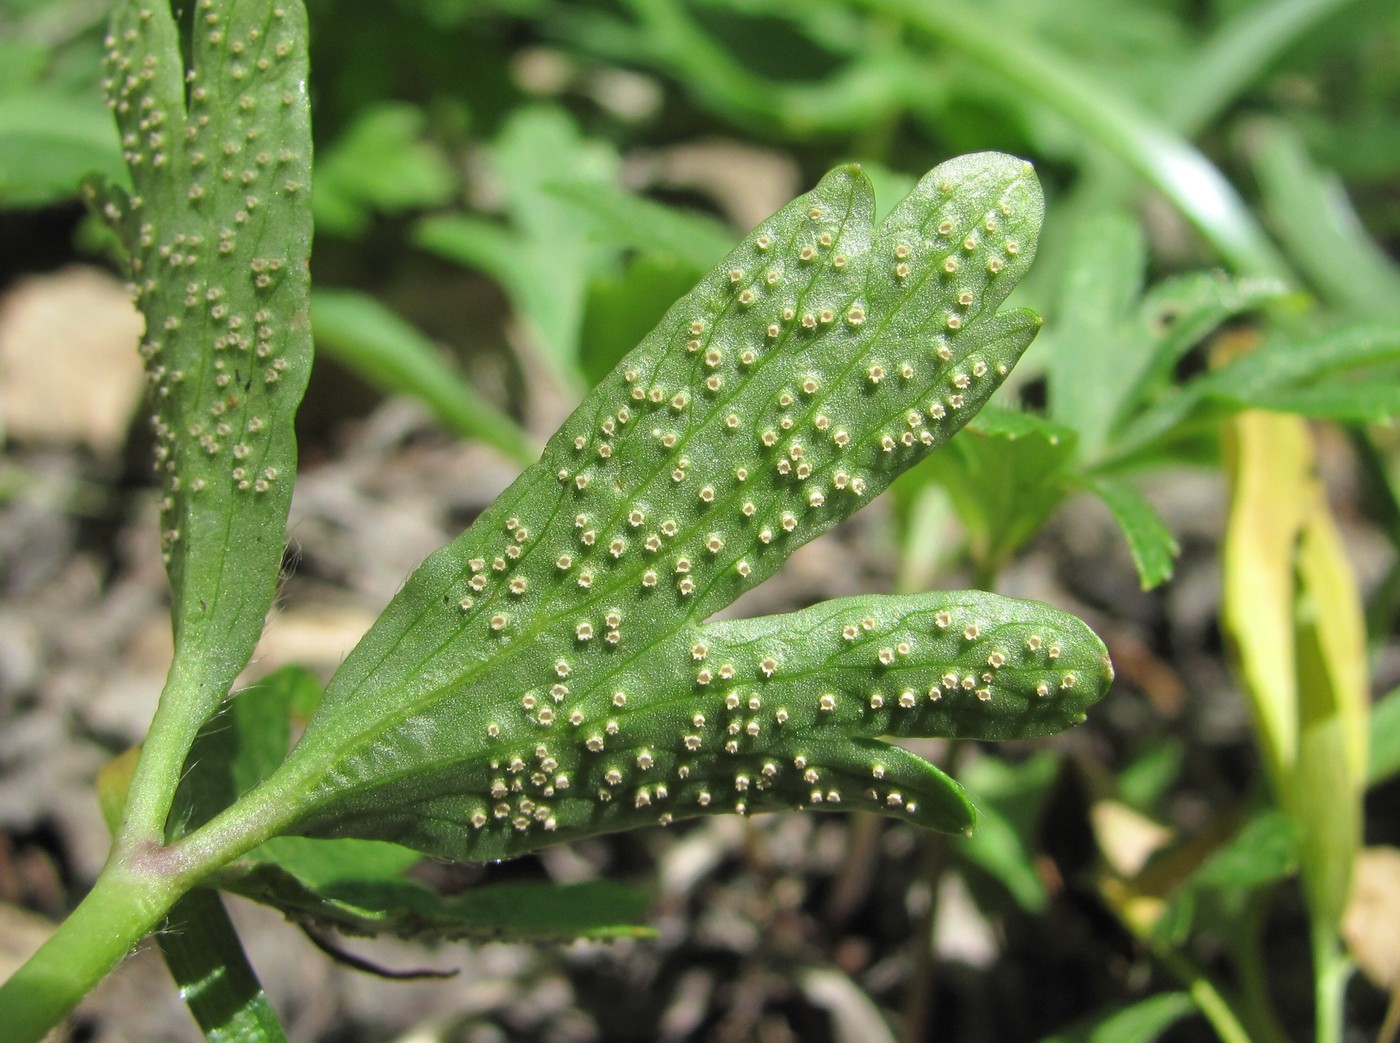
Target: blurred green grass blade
392,355
1316,221
218,236
1263,851
381,162
1341,400
1292,362
1010,797
48,143
1144,782
624,307
1383,760
868,86
541,254
1151,543
206,959
1161,157
1239,49
1140,1022
693,238
1094,358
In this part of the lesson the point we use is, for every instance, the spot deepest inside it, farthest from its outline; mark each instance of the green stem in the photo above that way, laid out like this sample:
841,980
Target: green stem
1163,158
179,715
124,906
1248,948
1208,998
1331,969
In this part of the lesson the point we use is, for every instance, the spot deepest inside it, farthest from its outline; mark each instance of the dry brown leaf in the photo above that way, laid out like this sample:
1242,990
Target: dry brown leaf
1371,925
1126,837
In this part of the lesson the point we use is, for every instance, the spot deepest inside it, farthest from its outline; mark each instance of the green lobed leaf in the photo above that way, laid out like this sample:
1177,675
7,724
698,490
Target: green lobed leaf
218,234
1178,314
541,677
746,715
357,886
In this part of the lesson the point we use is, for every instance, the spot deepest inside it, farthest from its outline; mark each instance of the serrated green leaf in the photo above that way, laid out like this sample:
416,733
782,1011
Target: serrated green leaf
1294,362
1179,313
541,678
1151,543
371,340
1006,474
206,959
